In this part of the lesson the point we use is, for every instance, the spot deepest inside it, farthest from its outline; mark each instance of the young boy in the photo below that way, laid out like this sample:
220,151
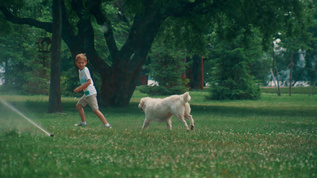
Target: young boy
90,93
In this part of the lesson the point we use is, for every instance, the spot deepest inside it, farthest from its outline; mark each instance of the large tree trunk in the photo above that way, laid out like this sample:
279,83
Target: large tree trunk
119,82
118,85
55,104
196,77
118,91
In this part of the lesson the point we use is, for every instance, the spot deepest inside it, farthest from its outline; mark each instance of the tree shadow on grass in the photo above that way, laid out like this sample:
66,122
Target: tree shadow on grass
244,111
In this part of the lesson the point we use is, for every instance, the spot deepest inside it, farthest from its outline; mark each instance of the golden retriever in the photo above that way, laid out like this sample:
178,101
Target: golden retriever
162,110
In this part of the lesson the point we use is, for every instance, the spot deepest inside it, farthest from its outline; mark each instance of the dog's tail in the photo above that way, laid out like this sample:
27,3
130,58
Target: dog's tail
186,97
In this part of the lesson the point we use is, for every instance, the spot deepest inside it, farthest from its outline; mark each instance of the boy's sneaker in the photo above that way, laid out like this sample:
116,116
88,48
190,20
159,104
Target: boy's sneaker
108,126
81,124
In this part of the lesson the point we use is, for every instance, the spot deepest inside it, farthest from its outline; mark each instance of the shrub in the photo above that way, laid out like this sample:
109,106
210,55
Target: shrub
166,68
231,75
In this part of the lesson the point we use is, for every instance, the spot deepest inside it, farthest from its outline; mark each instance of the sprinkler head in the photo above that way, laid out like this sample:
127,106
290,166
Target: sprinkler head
52,135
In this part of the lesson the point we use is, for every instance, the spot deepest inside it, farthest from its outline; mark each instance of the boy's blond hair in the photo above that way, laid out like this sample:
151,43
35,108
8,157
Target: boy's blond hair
81,56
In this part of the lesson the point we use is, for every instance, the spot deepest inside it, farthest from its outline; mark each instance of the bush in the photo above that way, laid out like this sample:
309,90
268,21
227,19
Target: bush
166,68
38,82
231,75
159,90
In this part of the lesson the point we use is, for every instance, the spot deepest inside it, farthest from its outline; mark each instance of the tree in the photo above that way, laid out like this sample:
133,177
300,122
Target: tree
144,20
55,103
260,68
166,67
195,72
231,75
11,58
295,55
23,70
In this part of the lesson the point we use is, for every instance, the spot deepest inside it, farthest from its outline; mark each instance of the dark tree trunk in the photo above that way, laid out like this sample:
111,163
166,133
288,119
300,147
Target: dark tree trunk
118,85
119,82
196,74
55,104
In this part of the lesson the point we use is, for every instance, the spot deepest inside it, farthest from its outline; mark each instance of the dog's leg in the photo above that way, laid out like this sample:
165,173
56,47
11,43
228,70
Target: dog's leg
146,124
181,118
191,120
169,124
188,116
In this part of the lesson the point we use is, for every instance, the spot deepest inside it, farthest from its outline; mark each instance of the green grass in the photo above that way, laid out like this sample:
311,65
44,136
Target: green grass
295,90
271,137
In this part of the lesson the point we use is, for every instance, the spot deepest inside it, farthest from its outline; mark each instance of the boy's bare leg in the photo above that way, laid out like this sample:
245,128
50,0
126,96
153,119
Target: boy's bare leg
81,112
101,116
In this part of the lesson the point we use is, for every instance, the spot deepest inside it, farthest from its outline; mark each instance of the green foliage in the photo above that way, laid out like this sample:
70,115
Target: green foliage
260,68
14,4
70,81
25,69
187,34
12,59
166,68
159,90
231,75
271,137
269,17
302,46
37,82
6,26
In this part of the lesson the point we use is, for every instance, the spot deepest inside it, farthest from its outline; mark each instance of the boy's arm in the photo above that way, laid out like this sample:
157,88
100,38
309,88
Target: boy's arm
83,86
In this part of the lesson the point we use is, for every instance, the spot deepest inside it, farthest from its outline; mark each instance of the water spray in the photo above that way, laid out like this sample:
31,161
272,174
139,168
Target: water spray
26,118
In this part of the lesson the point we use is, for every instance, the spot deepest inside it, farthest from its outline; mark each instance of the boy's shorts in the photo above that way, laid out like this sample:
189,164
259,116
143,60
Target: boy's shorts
90,100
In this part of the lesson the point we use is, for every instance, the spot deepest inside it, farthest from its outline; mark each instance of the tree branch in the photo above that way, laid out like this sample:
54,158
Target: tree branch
95,9
47,26
68,35
77,6
191,8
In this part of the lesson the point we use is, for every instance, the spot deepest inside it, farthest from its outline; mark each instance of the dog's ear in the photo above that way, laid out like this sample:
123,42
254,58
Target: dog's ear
141,104
186,97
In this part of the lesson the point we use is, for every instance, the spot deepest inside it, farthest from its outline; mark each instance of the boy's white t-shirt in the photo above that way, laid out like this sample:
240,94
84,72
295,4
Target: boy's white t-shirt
84,75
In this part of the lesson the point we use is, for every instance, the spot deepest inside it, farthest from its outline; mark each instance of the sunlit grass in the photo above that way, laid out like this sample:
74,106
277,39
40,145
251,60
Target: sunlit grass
271,137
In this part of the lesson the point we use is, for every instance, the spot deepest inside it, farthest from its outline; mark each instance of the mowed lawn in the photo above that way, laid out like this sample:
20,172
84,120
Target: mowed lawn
271,137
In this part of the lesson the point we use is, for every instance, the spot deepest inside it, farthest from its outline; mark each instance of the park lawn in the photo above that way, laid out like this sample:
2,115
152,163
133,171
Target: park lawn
294,90
271,137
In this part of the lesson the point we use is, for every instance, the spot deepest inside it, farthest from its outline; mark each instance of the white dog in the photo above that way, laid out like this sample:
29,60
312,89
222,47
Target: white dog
162,110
